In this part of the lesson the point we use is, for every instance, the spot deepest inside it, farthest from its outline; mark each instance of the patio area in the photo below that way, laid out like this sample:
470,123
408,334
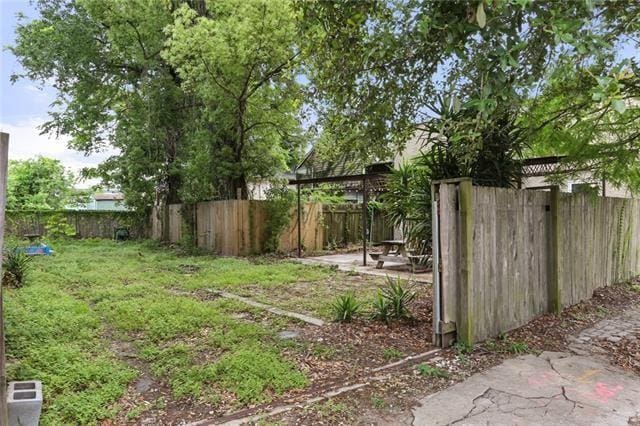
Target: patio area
352,262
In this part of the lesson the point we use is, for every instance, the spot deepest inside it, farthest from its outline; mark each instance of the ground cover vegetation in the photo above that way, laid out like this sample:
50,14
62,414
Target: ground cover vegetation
124,331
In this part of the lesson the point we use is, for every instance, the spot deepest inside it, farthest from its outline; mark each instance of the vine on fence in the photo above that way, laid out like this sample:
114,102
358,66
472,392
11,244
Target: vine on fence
280,202
58,227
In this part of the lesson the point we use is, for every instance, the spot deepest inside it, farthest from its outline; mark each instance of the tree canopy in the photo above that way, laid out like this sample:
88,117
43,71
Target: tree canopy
38,184
385,67
197,97
203,98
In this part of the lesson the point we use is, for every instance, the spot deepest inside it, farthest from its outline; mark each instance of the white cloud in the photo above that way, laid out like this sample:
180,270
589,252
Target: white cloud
25,141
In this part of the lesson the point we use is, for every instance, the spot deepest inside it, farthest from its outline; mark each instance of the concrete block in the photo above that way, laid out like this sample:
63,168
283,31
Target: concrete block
24,403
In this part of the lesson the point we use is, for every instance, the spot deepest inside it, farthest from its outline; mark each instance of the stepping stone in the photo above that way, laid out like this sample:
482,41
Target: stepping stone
288,334
143,384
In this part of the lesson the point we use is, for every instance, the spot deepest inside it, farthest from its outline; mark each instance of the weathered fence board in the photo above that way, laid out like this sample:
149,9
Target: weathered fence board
511,245
343,225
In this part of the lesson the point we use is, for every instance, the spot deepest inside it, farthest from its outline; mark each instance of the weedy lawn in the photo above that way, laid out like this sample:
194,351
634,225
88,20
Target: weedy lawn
117,330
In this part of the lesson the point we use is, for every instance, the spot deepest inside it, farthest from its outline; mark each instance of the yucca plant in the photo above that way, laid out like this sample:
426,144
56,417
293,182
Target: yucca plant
399,297
381,309
346,307
16,264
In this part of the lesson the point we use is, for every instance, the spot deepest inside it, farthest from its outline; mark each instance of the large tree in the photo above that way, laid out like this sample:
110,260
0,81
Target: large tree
239,62
385,63
114,88
142,77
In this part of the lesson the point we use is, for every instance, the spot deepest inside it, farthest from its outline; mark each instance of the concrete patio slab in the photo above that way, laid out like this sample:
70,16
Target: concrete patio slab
579,387
352,262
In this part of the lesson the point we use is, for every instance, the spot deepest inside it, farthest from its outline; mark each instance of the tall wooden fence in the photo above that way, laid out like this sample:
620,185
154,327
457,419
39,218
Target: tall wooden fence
235,227
85,224
507,256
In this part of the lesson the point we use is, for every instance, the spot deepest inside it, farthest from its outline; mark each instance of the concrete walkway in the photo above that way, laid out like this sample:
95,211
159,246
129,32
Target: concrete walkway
352,262
576,388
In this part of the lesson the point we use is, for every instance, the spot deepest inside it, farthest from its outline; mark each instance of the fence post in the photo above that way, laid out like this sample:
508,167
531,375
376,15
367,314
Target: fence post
555,285
4,154
465,328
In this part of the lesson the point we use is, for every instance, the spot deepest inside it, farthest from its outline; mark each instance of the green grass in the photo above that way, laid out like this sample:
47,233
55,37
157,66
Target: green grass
60,327
55,338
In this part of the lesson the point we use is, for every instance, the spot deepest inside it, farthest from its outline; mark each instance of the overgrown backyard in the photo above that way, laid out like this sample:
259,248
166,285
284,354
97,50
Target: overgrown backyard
120,332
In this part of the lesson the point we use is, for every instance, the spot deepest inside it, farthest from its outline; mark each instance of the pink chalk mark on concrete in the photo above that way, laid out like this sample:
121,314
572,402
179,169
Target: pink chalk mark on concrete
541,379
604,393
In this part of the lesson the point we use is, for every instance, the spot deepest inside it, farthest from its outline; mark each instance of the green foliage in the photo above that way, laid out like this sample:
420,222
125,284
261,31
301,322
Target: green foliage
201,349
199,99
504,345
385,61
378,402
331,411
518,348
345,307
39,183
239,63
381,308
392,354
430,371
15,266
463,348
324,193
398,197
252,371
589,114
280,202
399,297
58,227
393,301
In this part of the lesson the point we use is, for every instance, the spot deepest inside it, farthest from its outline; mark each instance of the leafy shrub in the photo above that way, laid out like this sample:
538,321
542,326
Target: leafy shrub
463,348
58,227
381,309
393,301
16,265
392,354
518,348
346,307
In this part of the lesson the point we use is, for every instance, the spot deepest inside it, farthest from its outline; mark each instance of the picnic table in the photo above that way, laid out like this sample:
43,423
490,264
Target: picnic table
396,251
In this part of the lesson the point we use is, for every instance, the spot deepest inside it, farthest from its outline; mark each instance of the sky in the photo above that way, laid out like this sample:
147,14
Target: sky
24,105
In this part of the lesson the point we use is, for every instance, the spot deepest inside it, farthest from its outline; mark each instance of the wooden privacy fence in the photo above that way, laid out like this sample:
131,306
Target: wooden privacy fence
343,225
506,256
234,227
238,227
85,224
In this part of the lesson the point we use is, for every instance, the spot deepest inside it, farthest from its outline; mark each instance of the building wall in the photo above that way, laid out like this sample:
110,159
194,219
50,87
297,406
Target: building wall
583,177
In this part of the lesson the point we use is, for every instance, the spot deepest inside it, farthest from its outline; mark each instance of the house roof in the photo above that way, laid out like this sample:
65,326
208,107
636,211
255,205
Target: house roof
109,196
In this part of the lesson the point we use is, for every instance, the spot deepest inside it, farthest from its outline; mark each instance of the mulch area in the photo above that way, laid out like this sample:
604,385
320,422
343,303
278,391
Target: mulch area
390,400
625,353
